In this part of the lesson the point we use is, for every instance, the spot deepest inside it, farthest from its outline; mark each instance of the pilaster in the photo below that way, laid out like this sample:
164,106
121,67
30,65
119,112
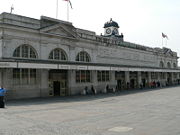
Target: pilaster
139,79
127,79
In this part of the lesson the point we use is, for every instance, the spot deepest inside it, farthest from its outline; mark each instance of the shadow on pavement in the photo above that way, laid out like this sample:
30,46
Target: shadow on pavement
78,98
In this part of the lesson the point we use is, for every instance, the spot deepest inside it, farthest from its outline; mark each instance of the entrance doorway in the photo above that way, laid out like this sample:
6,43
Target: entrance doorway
119,84
59,82
56,88
132,83
144,83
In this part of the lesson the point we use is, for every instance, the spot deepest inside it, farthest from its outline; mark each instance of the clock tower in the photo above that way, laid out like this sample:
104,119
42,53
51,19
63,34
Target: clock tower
111,29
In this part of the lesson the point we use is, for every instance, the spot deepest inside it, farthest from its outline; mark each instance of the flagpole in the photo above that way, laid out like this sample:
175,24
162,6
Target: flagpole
67,11
162,41
57,6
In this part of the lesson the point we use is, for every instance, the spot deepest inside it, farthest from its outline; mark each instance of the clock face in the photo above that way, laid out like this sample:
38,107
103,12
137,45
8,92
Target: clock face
115,31
108,30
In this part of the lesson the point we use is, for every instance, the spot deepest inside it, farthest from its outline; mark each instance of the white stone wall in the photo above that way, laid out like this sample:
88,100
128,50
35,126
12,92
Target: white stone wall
44,43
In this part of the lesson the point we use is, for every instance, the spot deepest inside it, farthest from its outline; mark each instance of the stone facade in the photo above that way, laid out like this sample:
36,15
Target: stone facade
32,63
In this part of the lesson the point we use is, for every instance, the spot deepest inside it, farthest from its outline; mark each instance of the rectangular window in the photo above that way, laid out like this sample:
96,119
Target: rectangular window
99,76
88,76
16,76
32,76
103,76
78,76
24,76
83,76
107,76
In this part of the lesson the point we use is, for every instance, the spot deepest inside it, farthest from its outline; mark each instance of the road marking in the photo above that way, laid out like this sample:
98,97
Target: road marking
120,129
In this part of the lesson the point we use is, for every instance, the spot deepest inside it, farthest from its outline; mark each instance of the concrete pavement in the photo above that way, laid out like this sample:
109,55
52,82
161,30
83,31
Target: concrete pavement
135,112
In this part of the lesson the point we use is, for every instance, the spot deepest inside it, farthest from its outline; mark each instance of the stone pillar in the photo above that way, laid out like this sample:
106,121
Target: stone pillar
127,79
94,79
158,76
1,48
178,77
1,78
165,80
139,79
44,81
113,79
149,78
172,78
71,81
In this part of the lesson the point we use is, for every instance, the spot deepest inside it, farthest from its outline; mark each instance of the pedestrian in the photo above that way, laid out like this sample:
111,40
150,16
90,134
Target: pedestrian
93,90
2,94
107,88
86,90
141,85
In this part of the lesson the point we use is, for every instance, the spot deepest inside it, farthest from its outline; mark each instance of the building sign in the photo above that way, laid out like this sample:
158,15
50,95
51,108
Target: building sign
37,66
82,68
8,65
98,68
64,66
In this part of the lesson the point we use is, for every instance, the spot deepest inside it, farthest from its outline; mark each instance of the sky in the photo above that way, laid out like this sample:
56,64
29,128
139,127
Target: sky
141,21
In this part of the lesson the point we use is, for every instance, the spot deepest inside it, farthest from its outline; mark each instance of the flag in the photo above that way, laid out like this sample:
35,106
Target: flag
164,35
69,3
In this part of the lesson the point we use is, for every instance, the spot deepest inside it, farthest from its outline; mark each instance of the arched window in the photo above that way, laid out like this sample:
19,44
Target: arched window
58,54
83,56
161,65
174,65
25,51
168,65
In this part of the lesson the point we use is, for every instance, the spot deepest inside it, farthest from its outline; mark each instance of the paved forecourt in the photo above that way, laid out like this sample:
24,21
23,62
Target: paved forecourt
128,113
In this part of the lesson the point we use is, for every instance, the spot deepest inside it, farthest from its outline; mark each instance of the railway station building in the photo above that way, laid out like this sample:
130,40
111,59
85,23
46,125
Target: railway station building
50,57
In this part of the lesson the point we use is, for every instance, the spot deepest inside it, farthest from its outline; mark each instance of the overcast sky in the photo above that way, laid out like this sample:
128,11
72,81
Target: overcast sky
141,21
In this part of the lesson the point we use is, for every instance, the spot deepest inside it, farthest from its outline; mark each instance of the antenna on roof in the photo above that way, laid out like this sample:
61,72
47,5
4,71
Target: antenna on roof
12,8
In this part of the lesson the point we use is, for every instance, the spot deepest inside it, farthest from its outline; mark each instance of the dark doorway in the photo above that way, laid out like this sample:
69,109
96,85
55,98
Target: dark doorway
132,84
59,81
119,84
144,83
56,87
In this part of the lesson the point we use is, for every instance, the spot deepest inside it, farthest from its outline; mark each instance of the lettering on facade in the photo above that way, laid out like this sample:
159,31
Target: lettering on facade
4,65
114,53
64,67
82,67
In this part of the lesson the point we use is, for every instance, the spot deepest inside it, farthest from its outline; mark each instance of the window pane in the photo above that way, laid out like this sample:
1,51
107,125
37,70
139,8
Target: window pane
87,57
103,76
24,76
25,51
83,56
99,76
83,76
51,55
16,76
56,54
77,76
32,53
17,52
32,76
88,76
63,57
107,76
